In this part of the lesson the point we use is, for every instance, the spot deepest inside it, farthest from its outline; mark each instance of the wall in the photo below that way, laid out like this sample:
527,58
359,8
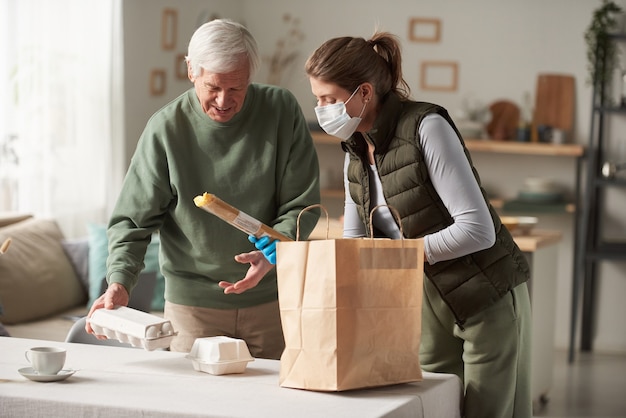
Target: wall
501,47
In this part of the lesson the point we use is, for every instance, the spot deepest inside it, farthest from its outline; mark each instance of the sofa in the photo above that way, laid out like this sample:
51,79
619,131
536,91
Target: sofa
47,281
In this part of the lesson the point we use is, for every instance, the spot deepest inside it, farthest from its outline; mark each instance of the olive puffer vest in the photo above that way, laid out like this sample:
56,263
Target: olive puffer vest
467,284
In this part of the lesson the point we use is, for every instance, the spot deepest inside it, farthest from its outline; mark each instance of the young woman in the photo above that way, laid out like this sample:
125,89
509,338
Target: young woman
409,155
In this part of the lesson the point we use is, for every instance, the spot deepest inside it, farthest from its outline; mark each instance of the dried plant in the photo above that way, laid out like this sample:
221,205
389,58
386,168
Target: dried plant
286,52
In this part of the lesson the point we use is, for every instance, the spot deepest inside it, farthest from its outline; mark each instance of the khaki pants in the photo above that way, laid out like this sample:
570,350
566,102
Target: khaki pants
491,354
259,326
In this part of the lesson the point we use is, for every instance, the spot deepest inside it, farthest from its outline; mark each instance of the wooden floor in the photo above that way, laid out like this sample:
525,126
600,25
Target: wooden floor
594,386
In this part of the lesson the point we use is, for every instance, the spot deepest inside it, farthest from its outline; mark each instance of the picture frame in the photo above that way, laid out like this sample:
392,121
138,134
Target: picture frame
157,82
439,75
169,27
424,29
180,66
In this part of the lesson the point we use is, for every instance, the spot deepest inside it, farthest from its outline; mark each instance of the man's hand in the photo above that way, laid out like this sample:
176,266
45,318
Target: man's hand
115,295
259,266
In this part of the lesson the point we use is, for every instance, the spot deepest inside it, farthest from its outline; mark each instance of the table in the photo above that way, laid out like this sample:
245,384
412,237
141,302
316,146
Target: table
130,382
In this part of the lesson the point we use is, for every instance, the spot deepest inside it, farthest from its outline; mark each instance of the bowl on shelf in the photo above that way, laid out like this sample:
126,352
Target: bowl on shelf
540,191
521,225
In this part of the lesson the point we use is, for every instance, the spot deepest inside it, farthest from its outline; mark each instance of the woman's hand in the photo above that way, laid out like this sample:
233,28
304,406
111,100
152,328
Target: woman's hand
266,245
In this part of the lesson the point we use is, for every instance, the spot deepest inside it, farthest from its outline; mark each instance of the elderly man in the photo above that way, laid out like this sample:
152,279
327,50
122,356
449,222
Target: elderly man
244,142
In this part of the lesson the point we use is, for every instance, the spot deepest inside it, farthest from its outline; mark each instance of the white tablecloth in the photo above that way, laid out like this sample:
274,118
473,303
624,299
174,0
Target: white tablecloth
127,382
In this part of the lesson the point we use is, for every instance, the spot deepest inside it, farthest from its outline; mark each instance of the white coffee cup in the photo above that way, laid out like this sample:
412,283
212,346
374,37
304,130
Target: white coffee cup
46,360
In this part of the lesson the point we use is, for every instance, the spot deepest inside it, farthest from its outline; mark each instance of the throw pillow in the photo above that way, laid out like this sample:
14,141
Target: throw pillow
36,278
98,253
3,331
11,218
77,251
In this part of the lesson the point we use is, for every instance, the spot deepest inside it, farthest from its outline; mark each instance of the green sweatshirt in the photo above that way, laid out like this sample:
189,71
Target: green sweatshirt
262,162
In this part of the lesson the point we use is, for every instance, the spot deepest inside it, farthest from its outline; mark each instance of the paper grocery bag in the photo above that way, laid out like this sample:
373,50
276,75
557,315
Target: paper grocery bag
350,311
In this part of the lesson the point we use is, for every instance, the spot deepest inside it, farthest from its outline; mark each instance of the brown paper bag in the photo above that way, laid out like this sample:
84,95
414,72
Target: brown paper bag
350,311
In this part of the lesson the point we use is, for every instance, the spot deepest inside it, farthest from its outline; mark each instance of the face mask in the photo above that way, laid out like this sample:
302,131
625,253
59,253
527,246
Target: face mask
335,121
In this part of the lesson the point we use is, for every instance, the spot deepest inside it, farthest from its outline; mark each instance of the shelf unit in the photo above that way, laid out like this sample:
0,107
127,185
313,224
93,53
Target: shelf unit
501,147
498,147
576,151
592,247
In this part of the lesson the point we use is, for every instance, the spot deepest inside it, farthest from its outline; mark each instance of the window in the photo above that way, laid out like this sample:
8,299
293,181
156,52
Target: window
56,119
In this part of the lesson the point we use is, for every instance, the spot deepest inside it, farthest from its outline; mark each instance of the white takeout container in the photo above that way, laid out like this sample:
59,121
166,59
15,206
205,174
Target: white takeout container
138,328
220,355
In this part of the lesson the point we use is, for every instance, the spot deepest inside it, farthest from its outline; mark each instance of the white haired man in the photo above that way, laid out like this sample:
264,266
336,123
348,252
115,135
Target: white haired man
248,144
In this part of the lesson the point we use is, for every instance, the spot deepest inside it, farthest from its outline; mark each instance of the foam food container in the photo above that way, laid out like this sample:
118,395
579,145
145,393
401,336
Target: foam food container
138,328
220,355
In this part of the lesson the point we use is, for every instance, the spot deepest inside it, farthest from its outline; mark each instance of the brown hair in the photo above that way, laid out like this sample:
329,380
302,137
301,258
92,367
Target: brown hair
349,62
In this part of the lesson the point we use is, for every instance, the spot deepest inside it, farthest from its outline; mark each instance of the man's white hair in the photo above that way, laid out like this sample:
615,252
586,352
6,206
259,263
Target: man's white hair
219,46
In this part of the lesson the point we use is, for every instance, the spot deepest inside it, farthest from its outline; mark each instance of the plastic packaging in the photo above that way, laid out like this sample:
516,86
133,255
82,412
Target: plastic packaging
138,328
220,355
235,217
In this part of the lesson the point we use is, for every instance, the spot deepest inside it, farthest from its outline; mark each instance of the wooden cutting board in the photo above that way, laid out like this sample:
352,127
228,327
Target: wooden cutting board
555,102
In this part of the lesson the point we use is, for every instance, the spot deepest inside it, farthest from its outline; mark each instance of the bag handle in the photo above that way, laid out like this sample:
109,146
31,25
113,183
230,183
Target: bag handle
306,209
394,213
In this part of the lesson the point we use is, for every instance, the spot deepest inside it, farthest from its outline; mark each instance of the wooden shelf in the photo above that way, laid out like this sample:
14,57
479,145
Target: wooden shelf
528,148
489,146
486,145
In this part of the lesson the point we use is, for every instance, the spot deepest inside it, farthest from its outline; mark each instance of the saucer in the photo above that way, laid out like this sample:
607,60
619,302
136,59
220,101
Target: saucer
31,374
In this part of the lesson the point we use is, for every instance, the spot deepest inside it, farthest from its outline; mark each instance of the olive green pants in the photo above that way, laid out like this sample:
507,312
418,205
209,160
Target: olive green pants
491,354
259,326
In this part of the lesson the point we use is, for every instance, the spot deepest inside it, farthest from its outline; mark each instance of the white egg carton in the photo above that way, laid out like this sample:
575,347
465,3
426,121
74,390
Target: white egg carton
138,328
220,355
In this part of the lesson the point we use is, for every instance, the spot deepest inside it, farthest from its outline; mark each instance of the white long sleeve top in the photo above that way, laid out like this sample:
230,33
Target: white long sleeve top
452,178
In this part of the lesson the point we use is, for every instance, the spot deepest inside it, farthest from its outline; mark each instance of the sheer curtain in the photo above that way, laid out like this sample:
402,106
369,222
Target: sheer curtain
61,111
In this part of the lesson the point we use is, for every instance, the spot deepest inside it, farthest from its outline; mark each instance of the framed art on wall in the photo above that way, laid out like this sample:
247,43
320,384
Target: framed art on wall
439,75
157,82
169,24
180,67
424,29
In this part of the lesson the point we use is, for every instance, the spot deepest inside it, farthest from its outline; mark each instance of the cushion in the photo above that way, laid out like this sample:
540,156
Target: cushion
8,218
36,278
98,253
77,251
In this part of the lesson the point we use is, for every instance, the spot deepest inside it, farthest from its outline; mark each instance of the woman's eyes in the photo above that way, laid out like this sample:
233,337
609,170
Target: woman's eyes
325,100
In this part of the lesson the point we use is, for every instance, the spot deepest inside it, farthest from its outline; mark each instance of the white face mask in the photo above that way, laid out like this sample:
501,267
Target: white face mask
335,121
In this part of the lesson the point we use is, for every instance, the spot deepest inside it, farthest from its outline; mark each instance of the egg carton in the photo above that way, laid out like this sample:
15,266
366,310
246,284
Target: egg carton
220,355
220,367
138,328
